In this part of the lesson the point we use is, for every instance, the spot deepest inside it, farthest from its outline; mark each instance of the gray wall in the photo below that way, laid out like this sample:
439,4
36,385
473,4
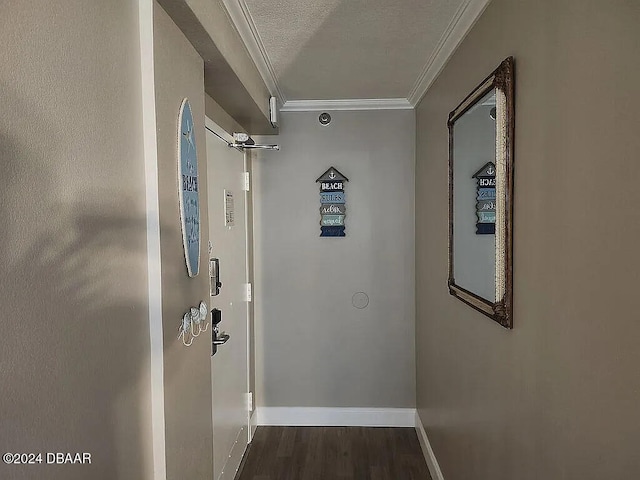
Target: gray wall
557,397
75,347
189,434
313,348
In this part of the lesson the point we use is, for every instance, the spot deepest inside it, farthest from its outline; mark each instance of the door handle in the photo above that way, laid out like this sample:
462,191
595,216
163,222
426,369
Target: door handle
221,339
217,338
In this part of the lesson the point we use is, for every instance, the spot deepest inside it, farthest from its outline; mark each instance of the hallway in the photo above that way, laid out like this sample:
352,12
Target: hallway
165,296
340,453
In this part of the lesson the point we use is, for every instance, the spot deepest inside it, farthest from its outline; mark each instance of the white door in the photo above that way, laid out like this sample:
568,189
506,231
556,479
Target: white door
229,365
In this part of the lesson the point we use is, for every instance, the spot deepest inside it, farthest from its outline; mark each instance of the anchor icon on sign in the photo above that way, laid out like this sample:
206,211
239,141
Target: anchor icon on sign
332,175
491,171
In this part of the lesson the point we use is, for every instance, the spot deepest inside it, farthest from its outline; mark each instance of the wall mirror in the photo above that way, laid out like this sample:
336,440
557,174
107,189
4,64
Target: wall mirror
481,196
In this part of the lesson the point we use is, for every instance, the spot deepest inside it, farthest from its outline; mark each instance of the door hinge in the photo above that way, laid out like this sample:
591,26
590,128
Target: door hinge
247,296
246,182
250,402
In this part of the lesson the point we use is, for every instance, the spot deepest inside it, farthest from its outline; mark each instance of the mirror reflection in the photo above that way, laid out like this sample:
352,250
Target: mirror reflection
474,213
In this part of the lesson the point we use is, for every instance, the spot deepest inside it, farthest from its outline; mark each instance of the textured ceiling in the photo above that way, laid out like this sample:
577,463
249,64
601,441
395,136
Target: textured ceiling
350,49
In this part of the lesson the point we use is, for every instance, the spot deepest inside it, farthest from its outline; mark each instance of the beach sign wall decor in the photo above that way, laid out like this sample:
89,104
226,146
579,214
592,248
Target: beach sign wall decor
333,209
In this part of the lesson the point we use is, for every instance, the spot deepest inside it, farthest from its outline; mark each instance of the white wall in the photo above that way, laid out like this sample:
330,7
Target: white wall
313,347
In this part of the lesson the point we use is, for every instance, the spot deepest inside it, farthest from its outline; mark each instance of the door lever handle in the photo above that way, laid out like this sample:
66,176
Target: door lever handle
221,339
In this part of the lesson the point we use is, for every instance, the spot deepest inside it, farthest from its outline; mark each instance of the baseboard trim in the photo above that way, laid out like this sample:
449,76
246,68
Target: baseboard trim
253,424
336,417
427,451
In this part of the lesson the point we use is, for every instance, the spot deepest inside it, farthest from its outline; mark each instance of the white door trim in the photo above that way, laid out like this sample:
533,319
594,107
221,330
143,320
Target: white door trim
247,278
154,279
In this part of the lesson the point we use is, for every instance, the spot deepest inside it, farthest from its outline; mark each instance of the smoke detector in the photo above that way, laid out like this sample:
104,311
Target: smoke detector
324,118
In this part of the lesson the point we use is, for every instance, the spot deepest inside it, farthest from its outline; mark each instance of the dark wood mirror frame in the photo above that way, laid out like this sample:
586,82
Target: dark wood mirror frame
502,80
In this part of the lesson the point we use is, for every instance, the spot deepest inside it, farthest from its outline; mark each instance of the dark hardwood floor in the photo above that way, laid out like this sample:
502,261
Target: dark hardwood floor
334,453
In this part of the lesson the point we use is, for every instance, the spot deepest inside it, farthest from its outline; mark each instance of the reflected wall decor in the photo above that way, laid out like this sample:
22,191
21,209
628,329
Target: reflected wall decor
486,200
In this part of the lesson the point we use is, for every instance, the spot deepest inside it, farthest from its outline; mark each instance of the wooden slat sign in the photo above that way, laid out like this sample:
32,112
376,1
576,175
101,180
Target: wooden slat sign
331,197
486,206
331,187
332,203
332,220
333,209
486,196
486,217
332,232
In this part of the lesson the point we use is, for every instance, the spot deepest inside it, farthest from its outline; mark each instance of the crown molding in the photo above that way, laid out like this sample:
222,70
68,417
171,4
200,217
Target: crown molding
347,104
465,17
240,16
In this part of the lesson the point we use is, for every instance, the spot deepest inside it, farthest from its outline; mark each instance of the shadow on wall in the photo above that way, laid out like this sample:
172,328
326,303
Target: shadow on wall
75,347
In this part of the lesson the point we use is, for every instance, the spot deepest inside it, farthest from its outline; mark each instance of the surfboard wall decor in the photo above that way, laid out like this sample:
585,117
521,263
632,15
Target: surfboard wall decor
188,188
